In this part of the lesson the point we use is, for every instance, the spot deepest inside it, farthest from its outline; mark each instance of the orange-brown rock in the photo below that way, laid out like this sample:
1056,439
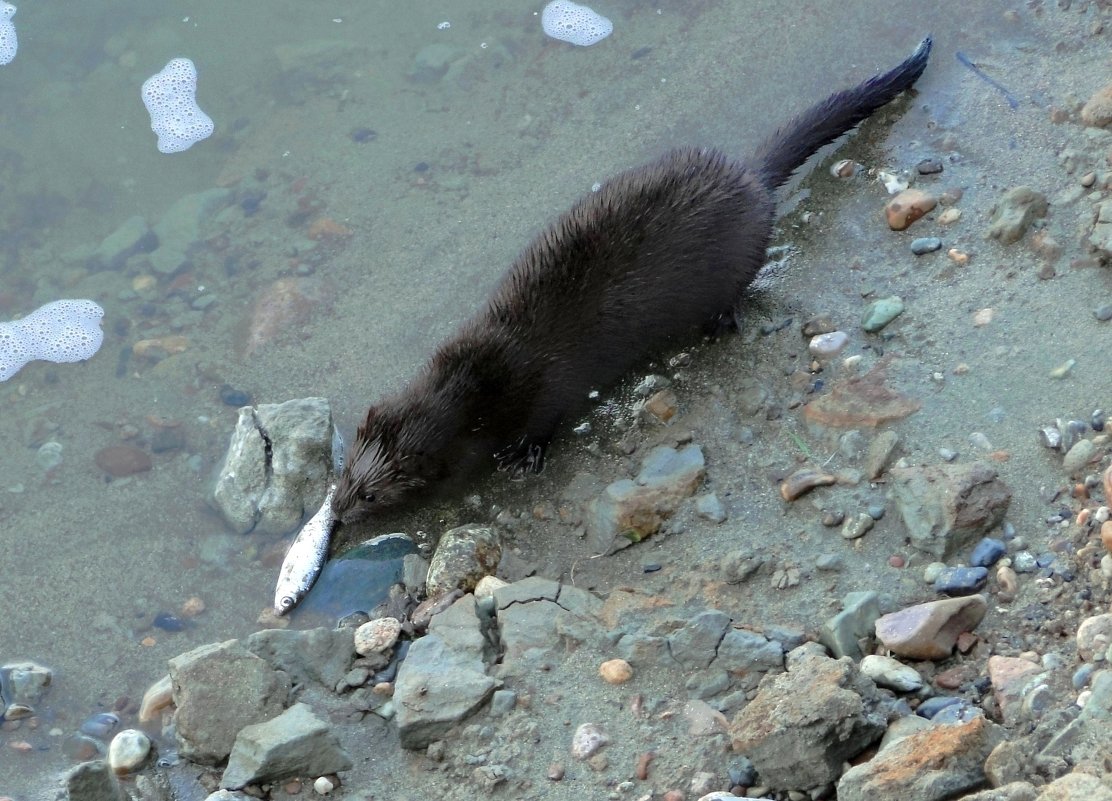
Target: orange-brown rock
863,400
280,307
907,207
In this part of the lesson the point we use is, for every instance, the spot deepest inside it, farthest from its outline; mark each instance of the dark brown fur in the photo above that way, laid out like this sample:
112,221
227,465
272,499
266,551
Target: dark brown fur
659,252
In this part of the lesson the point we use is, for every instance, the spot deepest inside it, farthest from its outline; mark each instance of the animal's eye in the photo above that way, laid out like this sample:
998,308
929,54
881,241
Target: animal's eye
369,497
286,602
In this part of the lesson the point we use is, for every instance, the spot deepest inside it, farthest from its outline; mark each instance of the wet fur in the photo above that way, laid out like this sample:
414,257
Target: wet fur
658,253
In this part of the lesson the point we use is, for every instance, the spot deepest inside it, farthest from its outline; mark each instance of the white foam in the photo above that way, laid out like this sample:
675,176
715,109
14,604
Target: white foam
8,41
171,99
571,22
61,331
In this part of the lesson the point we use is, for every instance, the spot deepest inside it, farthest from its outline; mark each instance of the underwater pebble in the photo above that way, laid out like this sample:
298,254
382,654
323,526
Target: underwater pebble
119,461
323,786
925,244
987,552
128,750
958,257
1063,370
982,317
1076,459
157,697
100,725
957,581
230,396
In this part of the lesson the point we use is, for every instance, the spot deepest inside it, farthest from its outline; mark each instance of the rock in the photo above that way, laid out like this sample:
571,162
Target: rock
710,508
863,400
1077,459
882,450
1014,212
1015,791
181,225
843,632
1101,236
907,207
1097,111
218,689
939,763
157,697
926,244
696,644
631,510
803,724
277,465
443,679
122,460
377,636
295,743
587,740
803,481
1011,677
743,652
1076,787
463,557
1086,737
880,313
128,751
536,615
956,581
987,552
947,507
1094,635
930,630
615,671
891,673
93,781
321,655
279,308
133,236
25,682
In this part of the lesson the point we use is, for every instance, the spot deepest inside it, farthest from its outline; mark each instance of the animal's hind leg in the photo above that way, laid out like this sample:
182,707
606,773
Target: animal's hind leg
524,456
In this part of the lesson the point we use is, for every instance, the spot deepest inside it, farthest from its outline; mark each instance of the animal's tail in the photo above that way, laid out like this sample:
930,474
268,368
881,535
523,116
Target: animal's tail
785,151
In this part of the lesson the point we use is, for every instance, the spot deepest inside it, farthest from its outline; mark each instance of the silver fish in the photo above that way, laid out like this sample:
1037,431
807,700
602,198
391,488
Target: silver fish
305,558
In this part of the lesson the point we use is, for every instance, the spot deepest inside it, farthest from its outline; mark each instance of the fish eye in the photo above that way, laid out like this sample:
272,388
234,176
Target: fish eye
286,602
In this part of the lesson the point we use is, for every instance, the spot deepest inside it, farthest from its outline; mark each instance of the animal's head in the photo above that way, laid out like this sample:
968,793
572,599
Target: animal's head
379,471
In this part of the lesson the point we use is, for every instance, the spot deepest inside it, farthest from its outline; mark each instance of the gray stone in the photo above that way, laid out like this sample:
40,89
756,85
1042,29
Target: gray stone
319,655
842,633
218,689
742,652
696,644
168,262
295,743
891,673
463,557
644,650
710,508
1015,791
503,702
1076,787
134,236
880,313
631,510
804,724
881,451
1086,737
25,682
93,781
181,226
1101,236
1014,212
277,465
948,507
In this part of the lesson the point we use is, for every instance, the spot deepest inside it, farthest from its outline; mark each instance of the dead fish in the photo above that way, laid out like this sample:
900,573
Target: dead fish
309,550
305,558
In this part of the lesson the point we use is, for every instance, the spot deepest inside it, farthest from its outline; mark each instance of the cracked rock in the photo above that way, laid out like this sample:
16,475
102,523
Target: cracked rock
277,465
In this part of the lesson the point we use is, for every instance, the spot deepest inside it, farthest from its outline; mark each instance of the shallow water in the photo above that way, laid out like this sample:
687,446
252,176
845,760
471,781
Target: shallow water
425,213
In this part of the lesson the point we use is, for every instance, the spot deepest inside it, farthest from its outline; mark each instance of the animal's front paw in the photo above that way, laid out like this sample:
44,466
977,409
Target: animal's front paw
523,457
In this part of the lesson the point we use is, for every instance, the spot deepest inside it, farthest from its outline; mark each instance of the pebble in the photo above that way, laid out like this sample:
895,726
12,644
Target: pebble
930,630
122,460
1007,580
100,725
1096,420
1078,457
958,257
168,622
929,166
49,455
958,581
987,552
588,739
1063,370
230,396
907,207
950,216
857,527
615,671
1103,313
932,706
880,313
128,750
925,244
832,517
377,636
157,697
982,317
710,508
826,346
846,168
323,786
891,673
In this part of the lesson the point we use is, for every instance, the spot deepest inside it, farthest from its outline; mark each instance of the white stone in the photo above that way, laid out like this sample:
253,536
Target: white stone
8,41
323,785
571,22
128,750
61,331
376,636
487,585
171,99
891,673
826,346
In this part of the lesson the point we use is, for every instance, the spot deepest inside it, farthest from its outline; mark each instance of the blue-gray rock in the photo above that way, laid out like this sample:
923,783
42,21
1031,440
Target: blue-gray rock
841,633
958,581
295,743
987,552
710,508
25,682
443,679
925,244
696,643
1086,737
218,689
1025,562
644,650
320,655
277,466
93,781
502,702
704,684
742,652
932,706
360,578
961,712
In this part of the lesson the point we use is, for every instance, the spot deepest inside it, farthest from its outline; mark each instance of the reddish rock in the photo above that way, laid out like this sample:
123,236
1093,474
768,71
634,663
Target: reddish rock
930,630
863,400
122,460
907,207
1009,676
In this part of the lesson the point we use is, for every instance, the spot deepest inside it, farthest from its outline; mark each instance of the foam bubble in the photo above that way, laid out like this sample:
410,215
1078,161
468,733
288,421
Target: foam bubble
171,99
8,41
571,22
61,331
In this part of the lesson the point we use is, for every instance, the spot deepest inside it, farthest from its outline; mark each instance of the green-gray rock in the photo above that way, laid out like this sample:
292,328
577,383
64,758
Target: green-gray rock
881,312
296,743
